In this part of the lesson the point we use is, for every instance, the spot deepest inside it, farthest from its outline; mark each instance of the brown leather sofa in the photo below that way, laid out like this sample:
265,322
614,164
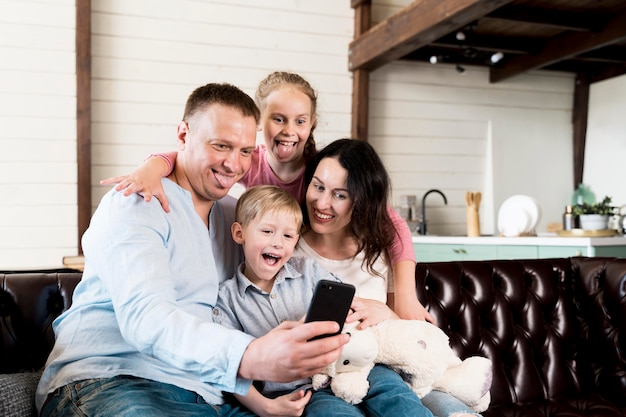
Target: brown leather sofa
555,330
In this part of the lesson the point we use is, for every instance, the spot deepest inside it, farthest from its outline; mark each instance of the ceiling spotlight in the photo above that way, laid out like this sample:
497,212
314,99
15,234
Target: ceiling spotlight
460,36
497,57
460,69
434,59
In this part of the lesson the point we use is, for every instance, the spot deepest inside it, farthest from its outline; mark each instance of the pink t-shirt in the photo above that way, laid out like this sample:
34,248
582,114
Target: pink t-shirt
261,173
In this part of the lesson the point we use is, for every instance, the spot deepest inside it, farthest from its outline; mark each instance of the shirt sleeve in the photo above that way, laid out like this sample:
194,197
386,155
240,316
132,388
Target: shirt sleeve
402,247
169,158
128,246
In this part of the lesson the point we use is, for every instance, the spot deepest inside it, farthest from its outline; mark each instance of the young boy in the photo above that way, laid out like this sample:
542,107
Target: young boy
270,287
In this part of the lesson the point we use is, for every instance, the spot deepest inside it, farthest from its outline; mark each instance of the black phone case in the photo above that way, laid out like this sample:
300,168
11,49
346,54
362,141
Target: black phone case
331,302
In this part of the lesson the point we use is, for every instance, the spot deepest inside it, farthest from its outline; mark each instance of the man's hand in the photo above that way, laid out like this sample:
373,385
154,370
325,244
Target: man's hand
285,354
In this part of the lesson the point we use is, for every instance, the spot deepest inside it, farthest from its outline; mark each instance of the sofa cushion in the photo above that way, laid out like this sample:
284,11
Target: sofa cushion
17,394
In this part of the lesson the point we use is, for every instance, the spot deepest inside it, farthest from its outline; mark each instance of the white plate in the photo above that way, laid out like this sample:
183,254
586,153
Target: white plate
519,214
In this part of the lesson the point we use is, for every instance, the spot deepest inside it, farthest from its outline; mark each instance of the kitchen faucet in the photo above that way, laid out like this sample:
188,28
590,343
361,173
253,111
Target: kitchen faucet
421,226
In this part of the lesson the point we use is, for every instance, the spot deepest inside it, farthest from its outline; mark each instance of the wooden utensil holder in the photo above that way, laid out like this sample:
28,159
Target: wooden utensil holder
473,223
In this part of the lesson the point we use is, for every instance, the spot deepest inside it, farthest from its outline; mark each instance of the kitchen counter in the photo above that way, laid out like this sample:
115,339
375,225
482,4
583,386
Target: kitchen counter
448,248
551,240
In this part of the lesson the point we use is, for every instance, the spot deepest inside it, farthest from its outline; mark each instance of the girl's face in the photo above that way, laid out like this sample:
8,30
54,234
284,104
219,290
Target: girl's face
268,242
286,122
328,202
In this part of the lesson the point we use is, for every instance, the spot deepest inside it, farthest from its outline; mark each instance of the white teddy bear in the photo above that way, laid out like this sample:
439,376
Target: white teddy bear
419,351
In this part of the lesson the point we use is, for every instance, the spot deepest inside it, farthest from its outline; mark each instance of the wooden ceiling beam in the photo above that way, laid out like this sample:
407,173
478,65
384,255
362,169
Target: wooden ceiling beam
563,47
417,25
550,18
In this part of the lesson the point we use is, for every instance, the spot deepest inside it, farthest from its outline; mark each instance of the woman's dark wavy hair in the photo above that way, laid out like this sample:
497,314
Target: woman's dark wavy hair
369,187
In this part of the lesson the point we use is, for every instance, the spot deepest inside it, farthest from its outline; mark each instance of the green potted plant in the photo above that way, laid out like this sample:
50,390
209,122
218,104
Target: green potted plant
594,216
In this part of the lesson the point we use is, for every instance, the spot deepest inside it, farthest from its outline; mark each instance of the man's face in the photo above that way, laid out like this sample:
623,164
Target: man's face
216,146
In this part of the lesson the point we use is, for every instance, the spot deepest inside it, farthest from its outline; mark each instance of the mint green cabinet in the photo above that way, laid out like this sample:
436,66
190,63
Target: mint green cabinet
562,251
451,252
517,252
441,252
567,251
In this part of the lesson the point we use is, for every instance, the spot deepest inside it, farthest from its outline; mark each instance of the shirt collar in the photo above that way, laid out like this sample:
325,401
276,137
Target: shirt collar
288,271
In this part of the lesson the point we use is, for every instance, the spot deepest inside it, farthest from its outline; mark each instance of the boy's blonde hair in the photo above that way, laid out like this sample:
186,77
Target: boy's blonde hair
263,199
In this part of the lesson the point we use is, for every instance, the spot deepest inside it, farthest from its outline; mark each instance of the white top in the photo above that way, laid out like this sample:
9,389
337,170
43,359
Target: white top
351,271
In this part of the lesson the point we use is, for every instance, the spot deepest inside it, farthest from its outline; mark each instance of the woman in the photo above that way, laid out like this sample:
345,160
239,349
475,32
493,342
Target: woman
349,233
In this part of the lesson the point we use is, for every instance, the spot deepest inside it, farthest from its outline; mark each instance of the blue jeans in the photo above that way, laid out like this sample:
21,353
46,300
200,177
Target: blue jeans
126,396
388,395
444,405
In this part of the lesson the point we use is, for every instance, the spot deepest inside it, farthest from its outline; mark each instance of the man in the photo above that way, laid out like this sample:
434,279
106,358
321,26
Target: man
139,339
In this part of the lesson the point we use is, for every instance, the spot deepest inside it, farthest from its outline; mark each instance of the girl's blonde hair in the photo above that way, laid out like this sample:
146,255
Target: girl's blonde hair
279,79
263,199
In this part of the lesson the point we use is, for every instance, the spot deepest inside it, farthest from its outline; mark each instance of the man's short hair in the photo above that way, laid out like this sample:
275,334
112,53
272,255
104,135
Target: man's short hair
226,94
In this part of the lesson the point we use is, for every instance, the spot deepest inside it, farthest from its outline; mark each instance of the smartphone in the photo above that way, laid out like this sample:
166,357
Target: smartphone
331,302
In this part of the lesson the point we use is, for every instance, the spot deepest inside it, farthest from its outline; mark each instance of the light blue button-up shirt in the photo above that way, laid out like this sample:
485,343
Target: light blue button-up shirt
144,305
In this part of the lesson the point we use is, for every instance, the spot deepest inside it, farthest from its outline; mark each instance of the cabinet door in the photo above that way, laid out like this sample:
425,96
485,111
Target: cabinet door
517,252
562,251
425,252
449,252
616,251
479,252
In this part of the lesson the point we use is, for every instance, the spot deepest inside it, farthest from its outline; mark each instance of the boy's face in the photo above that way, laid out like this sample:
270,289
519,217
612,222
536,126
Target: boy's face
268,242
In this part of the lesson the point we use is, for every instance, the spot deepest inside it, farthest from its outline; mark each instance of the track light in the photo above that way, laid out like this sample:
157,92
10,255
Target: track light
434,59
460,36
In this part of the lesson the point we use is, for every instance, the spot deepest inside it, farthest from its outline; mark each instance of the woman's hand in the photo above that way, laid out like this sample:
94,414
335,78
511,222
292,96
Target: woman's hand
404,298
408,307
144,180
369,312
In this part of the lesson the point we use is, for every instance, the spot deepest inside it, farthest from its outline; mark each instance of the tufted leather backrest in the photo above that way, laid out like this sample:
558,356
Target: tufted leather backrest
550,327
29,302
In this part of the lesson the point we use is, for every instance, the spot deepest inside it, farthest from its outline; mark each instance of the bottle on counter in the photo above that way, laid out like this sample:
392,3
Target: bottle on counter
568,219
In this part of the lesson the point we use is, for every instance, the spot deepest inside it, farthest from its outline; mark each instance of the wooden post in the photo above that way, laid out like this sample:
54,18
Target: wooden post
361,77
83,115
579,121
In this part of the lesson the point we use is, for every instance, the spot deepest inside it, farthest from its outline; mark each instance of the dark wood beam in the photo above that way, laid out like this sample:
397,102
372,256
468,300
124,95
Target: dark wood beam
83,115
579,122
550,18
562,47
361,77
613,71
417,25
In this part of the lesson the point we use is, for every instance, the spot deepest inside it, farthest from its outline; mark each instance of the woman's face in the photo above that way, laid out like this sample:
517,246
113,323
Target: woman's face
328,202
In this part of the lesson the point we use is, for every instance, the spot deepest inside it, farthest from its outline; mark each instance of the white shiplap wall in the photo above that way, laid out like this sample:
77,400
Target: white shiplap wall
38,217
436,128
148,55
